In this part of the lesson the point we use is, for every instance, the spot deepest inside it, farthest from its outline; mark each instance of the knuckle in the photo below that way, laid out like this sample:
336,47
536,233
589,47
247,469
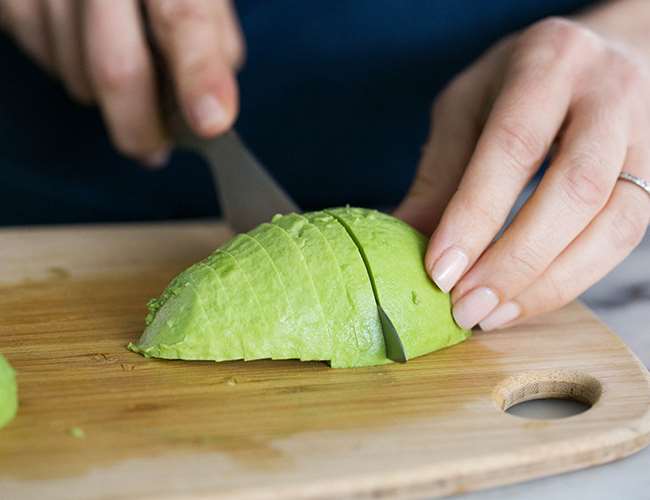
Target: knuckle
585,183
235,50
628,226
525,261
566,32
554,39
444,103
565,36
631,76
485,213
172,12
452,97
558,290
425,182
522,148
114,72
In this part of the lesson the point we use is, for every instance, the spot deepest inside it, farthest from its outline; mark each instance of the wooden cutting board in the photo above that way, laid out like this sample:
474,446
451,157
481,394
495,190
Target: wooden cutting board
97,421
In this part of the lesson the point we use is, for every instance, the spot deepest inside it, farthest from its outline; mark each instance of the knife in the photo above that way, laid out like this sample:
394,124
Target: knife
248,195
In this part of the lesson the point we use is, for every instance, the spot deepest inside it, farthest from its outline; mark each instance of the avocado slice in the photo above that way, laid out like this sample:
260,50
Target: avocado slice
339,310
192,320
8,392
361,315
307,317
175,319
319,266
269,291
394,252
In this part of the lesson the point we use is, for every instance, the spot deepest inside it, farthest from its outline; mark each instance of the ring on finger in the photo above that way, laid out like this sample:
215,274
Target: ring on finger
638,181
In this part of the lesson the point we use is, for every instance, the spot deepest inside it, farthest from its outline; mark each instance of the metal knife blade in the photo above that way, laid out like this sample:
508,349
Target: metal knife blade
247,193
394,348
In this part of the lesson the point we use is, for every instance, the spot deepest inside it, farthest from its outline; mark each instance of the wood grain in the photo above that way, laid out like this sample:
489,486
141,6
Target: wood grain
71,298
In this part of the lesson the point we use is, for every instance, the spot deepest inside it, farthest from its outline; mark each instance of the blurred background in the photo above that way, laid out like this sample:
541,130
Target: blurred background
335,101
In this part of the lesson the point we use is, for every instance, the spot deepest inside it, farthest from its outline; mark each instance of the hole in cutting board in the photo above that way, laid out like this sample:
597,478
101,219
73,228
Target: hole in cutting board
548,408
547,394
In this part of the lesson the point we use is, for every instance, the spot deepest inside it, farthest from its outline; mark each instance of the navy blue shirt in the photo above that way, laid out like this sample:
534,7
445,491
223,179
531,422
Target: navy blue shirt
335,100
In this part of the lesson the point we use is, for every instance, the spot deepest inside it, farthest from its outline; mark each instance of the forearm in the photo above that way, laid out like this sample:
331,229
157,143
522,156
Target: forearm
627,21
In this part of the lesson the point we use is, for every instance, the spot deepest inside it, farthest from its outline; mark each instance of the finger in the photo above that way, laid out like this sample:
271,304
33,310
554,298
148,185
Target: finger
231,38
64,29
122,76
522,124
188,34
616,231
454,132
574,189
25,20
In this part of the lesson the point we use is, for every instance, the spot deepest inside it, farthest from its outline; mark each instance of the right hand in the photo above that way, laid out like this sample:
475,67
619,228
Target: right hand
98,49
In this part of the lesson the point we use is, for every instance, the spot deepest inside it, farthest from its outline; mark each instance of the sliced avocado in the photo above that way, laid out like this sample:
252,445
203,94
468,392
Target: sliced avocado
308,287
361,315
262,275
8,392
174,319
246,306
224,327
394,254
339,310
307,318
320,267
194,321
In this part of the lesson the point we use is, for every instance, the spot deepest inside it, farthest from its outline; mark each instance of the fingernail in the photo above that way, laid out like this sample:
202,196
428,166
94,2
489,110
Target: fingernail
502,315
209,113
475,306
158,159
449,268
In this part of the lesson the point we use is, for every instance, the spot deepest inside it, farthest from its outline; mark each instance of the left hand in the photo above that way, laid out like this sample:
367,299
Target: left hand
556,83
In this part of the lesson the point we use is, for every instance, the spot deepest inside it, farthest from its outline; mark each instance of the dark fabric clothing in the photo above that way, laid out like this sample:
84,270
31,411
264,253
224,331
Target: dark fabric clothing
335,100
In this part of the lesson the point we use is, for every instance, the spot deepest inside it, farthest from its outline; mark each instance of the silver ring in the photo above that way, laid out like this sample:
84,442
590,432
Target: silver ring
642,183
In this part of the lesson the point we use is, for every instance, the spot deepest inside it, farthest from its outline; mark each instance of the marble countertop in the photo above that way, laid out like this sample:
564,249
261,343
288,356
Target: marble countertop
622,300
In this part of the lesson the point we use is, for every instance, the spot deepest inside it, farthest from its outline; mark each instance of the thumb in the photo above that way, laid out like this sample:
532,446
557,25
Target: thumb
444,157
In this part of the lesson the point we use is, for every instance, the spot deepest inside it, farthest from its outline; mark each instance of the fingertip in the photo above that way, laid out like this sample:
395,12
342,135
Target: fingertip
208,115
209,98
502,316
157,160
449,268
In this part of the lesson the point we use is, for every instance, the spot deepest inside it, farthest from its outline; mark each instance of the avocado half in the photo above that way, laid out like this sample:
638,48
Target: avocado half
8,392
304,286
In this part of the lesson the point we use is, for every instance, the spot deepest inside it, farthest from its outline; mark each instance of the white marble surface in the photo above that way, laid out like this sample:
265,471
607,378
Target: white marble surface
622,300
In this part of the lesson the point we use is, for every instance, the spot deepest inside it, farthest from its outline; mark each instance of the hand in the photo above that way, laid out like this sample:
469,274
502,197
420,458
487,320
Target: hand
559,84
98,49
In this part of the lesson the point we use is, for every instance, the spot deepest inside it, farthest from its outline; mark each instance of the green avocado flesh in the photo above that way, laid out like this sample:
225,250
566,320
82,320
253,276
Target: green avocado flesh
304,287
394,254
8,392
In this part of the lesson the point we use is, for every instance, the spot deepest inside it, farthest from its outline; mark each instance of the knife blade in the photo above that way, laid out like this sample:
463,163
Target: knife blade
394,348
248,195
